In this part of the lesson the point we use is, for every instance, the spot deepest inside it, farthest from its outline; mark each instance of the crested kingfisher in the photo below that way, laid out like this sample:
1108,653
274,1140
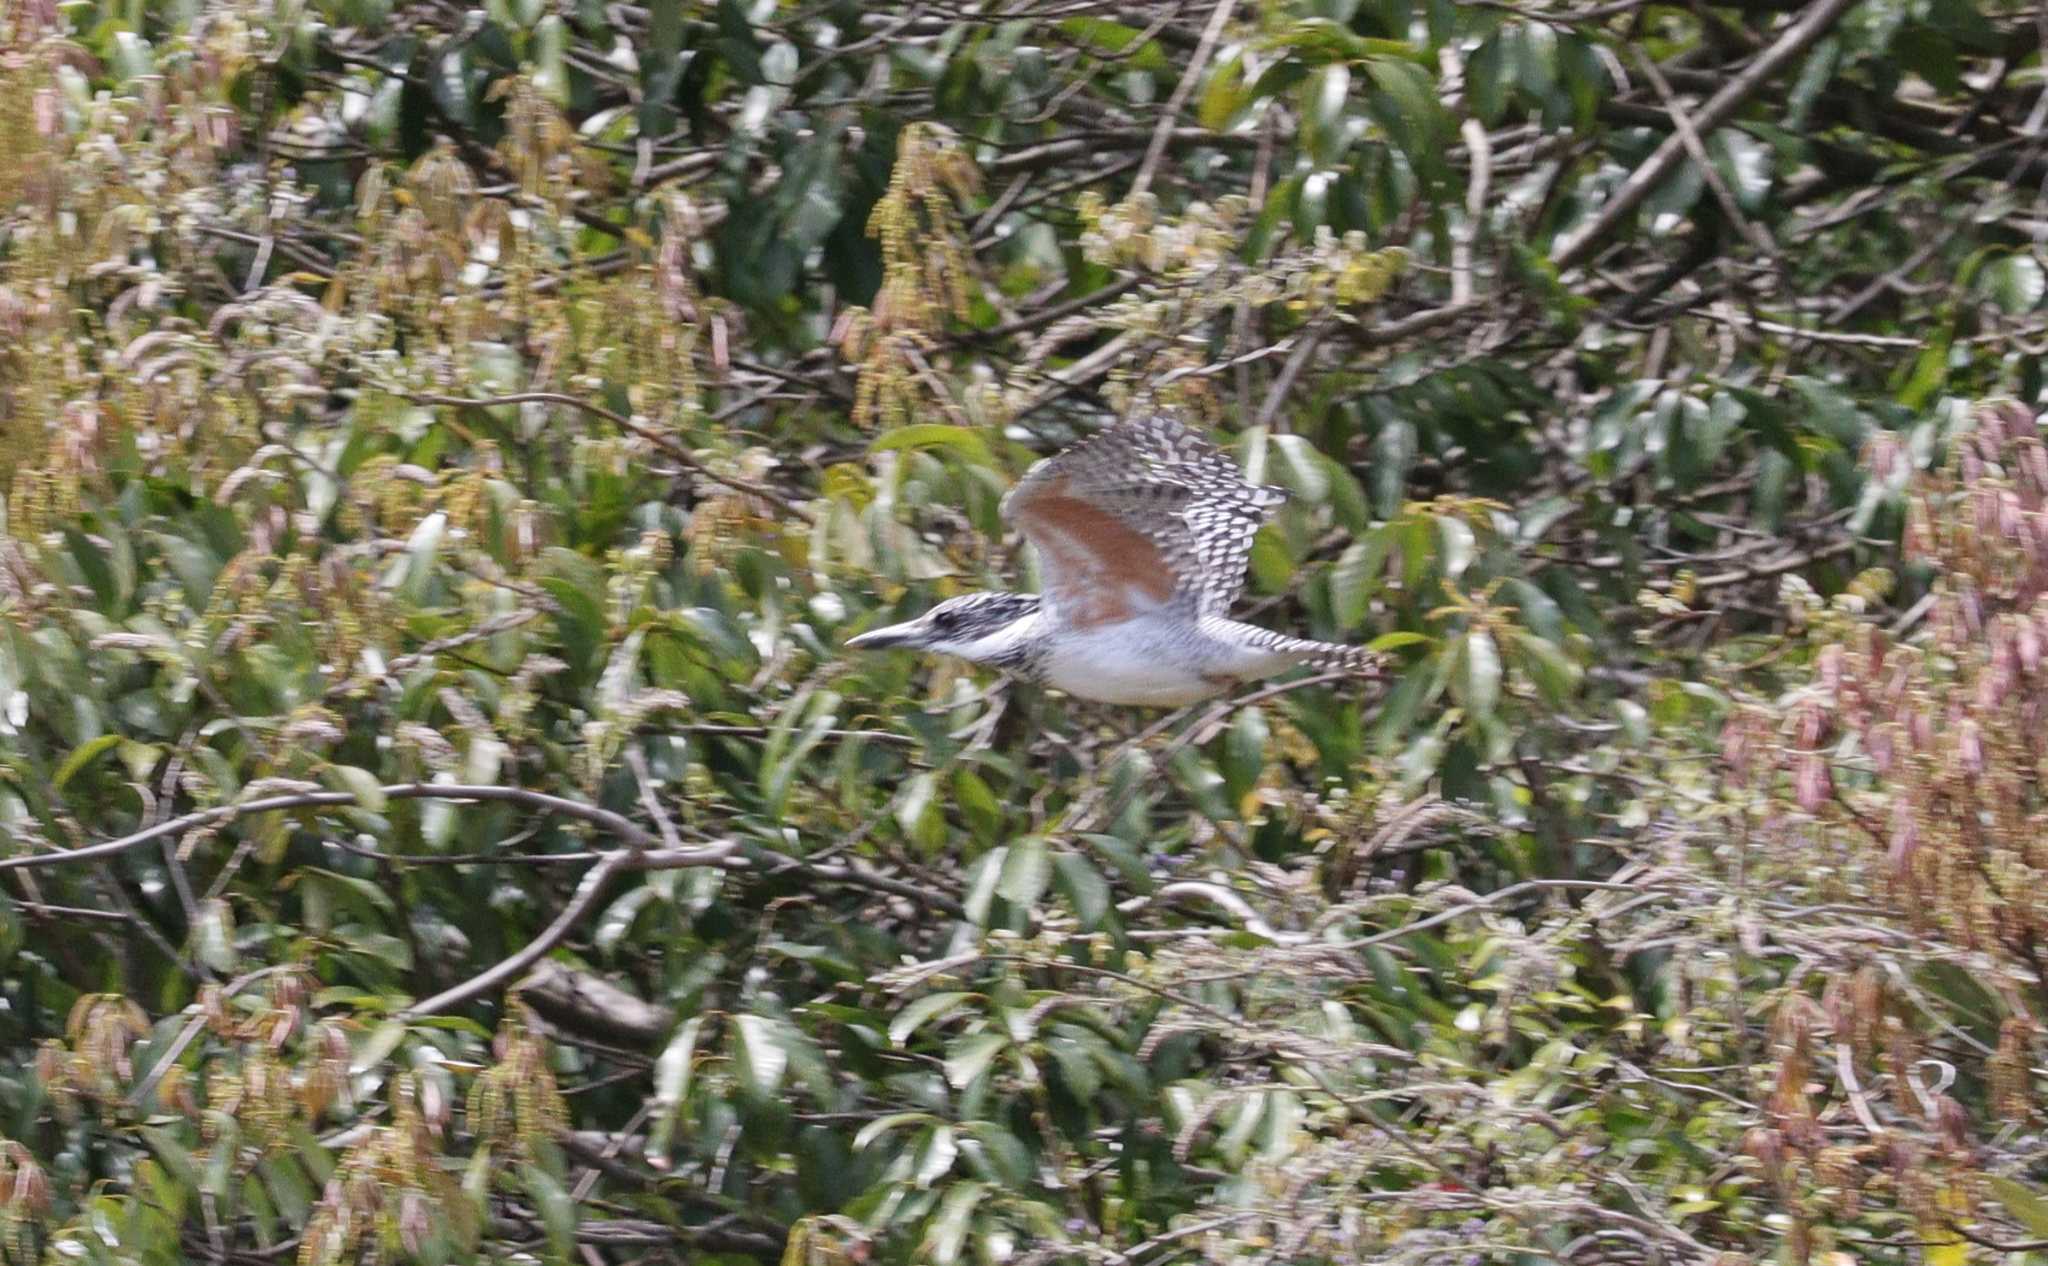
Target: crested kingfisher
1143,532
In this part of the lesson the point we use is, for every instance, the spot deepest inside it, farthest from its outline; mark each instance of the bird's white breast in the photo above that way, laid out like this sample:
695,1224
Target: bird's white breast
1144,661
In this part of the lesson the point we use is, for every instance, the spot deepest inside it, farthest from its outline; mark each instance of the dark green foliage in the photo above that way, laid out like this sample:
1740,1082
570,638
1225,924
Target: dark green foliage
445,449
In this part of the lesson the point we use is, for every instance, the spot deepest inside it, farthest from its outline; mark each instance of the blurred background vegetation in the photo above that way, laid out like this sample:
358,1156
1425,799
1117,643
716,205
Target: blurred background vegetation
444,447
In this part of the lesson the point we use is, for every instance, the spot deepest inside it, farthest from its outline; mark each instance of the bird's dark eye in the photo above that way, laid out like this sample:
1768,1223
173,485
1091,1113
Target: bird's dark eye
944,620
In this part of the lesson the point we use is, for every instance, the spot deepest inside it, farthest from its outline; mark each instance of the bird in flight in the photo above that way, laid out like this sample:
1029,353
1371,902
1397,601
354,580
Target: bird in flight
1142,532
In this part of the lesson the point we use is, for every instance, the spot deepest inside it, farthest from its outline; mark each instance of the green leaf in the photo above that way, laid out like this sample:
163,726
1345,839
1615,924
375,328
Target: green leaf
1026,871
413,572
620,917
1487,82
1399,638
1815,72
365,894
1323,99
673,1068
982,878
2015,283
550,74
1244,751
1553,671
761,1051
1457,546
884,1124
1407,106
1482,673
977,803
1419,762
173,1154
1393,457
1084,887
924,1011
1115,38
970,1057
360,783
962,439
936,1152
557,1211
947,1233
213,936
133,58
2026,1207
1356,577
1224,97
378,1046
97,571
736,44
914,801
1302,468
81,756
1745,166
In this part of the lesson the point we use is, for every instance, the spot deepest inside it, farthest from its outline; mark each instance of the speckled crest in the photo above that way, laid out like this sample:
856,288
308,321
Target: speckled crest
1173,488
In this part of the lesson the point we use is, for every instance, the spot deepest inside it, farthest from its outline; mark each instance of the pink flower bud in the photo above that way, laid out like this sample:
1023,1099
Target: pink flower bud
1810,783
1984,510
1810,726
1905,838
1830,667
414,1220
1735,749
1952,1120
433,1103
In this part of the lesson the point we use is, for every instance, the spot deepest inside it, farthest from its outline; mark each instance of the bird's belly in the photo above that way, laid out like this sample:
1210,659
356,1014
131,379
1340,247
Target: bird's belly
1112,666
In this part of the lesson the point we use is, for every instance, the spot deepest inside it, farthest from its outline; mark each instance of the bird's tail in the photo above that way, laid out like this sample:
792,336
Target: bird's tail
1331,656
1328,656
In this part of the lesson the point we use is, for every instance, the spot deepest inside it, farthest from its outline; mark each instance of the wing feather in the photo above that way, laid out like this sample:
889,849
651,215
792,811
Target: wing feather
1141,515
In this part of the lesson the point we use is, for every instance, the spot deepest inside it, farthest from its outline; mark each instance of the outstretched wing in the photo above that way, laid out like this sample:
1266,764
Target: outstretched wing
1141,515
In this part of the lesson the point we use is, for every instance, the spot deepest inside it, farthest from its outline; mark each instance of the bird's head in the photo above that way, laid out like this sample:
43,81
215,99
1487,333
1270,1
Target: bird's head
979,626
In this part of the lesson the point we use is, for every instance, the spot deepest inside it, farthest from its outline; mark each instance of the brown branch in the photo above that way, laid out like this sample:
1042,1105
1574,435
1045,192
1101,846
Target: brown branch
642,852
665,443
1408,326
1156,149
1779,568
1057,312
505,969
1697,148
1048,153
622,827
1798,37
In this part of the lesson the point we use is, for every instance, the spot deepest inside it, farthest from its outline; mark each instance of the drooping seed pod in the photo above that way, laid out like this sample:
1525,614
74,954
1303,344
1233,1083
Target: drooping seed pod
1828,667
1766,1147
1970,748
1811,784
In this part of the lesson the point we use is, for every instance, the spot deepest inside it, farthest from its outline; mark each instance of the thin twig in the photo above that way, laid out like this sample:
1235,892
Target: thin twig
1798,37
666,444
1462,239
1163,134
623,828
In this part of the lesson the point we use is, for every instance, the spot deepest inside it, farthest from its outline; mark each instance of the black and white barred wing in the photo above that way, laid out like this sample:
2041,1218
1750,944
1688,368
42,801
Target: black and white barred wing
1139,516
